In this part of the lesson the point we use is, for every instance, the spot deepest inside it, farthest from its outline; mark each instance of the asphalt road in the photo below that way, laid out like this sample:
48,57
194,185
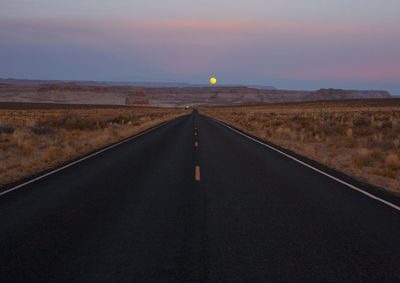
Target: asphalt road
135,213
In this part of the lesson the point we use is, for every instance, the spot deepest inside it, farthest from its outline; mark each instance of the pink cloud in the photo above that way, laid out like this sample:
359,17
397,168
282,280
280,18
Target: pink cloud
92,28
184,46
267,27
199,25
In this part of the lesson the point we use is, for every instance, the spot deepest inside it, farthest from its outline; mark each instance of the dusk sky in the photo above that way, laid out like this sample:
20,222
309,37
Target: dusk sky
289,44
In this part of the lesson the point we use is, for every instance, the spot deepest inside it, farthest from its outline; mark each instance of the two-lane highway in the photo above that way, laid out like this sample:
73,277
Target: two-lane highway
136,213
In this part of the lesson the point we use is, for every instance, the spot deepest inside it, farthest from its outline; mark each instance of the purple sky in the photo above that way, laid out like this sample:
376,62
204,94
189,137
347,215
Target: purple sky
288,44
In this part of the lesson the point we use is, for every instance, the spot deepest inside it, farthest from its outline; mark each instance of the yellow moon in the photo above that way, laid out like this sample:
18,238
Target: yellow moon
213,80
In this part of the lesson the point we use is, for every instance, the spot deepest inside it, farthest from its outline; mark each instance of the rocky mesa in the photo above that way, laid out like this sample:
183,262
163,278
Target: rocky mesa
137,98
200,96
72,93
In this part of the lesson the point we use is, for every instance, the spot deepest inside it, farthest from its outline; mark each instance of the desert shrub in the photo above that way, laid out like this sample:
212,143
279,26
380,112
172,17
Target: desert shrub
41,130
396,143
72,121
25,147
333,152
6,129
361,121
386,145
330,128
377,155
358,162
237,113
114,133
118,120
284,132
392,161
297,118
363,131
53,153
102,124
349,133
386,125
362,158
384,172
304,123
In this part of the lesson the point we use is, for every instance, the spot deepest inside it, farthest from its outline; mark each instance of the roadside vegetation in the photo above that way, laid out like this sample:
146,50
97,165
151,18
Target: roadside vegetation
360,139
35,140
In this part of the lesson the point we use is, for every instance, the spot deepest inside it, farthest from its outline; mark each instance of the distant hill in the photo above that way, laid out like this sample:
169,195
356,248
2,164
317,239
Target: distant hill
165,96
25,82
350,94
238,95
137,98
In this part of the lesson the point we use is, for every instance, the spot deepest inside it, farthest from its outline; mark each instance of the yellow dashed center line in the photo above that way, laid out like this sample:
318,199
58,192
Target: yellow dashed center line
197,173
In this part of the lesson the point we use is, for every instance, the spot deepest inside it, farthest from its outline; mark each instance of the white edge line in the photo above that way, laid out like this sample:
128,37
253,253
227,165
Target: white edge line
81,159
313,168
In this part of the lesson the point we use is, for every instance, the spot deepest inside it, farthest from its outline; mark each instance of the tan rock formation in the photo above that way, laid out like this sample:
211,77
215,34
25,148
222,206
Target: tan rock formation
137,97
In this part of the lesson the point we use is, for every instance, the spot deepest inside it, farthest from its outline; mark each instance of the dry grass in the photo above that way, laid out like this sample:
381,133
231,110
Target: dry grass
359,140
34,140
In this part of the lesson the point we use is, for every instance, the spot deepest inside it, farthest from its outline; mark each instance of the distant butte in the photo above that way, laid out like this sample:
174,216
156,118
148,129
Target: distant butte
137,98
98,93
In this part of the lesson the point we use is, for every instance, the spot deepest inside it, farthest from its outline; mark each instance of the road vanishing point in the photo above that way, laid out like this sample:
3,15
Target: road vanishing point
195,201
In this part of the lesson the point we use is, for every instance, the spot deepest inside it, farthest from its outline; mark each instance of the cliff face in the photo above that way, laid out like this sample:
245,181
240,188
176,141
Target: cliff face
371,94
137,97
170,97
238,95
350,94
